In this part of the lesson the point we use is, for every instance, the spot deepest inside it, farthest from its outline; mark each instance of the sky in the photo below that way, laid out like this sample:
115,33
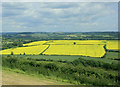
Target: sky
59,16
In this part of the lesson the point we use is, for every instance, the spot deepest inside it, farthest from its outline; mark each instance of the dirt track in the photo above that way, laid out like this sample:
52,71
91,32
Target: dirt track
13,78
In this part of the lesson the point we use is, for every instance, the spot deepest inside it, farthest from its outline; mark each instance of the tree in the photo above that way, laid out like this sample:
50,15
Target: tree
11,53
24,54
74,43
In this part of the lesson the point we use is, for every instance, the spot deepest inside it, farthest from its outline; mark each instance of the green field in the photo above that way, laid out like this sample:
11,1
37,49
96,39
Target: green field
110,56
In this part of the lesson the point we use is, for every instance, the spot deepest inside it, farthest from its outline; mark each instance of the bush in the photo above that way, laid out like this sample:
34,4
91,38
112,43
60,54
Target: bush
94,63
51,66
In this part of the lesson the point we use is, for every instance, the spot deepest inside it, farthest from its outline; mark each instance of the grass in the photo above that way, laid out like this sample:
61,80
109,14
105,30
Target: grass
53,57
112,55
107,59
77,72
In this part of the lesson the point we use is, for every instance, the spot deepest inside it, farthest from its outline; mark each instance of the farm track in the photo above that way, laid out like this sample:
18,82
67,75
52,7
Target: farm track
45,49
13,78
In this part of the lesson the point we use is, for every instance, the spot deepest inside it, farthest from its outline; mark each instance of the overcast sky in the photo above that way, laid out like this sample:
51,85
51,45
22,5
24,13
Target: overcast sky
59,17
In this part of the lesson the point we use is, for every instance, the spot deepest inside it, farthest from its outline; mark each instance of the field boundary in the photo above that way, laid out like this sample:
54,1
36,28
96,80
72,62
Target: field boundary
45,50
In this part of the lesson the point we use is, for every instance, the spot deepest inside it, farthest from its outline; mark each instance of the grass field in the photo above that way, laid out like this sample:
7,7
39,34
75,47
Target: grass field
109,58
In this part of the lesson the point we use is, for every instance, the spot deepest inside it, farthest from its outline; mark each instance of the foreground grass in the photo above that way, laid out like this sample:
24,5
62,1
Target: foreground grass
19,77
79,71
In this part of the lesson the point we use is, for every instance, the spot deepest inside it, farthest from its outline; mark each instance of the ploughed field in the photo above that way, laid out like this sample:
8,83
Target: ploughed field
91,48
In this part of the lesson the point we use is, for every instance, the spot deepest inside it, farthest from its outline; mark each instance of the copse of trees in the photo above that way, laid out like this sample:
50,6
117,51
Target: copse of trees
11,45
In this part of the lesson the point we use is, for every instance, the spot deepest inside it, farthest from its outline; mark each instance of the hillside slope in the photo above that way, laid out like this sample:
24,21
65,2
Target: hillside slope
13,78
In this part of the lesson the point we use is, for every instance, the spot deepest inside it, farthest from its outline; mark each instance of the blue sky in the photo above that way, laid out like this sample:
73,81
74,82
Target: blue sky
59,16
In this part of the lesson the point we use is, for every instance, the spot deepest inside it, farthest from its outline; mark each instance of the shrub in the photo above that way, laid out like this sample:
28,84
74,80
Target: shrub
51,66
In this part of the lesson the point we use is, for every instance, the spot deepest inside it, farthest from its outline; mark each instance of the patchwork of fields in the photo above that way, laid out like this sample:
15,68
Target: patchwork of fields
92,48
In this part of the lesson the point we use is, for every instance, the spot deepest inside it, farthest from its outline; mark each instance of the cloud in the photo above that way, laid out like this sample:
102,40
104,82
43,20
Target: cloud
62,16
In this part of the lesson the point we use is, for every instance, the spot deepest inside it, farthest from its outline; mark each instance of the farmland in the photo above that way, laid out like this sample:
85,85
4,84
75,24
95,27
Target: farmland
90,60
35,43
27,50
85,50
92,48
77,42
113,45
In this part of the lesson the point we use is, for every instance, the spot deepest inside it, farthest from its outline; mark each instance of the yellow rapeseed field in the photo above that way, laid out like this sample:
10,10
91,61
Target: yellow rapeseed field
112,45
35,43
65,42
92,48
36,50
84,50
